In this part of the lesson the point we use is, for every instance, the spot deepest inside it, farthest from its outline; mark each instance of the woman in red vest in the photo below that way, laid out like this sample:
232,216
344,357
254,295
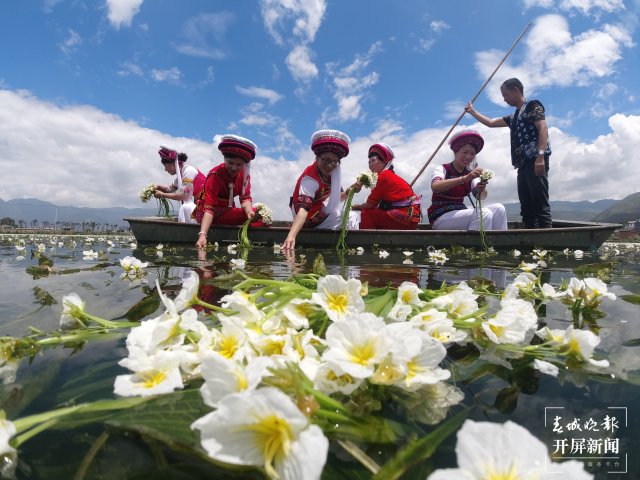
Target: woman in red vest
320,181
452,182
392,204
228,180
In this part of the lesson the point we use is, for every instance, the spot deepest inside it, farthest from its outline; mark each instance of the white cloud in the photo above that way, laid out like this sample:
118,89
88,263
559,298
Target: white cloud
69,45
203,35
351,83
96,159
583,6
607,90
130,68
172,75
121,12
553,57
439,26
260,92
305,15
300,65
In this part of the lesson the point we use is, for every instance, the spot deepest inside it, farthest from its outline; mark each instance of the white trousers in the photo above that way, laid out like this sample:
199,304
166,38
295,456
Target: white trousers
184,214
494,217
334,220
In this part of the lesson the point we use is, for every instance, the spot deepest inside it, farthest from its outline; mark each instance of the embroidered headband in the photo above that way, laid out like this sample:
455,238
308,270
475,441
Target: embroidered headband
383,151
466,137
236,146
332,141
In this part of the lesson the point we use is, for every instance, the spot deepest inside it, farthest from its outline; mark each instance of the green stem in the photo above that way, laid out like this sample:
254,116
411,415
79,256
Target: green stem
341,246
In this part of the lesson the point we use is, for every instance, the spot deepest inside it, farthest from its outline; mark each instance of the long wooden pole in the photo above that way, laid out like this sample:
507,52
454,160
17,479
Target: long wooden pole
472,100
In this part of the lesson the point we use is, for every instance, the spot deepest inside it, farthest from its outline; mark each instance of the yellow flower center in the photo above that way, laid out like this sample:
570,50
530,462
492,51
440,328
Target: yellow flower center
406,296
272,347
511,474
273,437
497,329
151,378
241,381
304,309
363,353
228,346
337,302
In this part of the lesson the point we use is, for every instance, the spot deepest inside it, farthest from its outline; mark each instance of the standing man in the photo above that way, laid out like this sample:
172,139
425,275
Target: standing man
530,151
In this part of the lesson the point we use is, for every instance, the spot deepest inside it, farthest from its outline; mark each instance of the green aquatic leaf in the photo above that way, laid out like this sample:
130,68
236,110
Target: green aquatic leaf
319,267
143,308
43,297
601,270
420,449
634,299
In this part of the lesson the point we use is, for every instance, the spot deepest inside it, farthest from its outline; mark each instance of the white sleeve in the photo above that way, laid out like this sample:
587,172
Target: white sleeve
308,186
438,173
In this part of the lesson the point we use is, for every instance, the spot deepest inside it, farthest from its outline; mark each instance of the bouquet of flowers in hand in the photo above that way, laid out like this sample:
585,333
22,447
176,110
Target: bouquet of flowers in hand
263,213
147,192
368,179
486,176
164,210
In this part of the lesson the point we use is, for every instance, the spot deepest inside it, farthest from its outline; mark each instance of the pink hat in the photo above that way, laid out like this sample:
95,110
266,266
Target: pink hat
383,151
235,146
167,154
466,137
330,141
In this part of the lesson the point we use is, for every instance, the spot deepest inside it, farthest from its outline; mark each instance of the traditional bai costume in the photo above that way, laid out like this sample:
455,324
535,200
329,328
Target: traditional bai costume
395,205
221,188
447,210
321,196
189,181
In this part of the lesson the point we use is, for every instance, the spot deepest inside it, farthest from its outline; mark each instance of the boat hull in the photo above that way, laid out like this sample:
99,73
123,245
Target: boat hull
564,234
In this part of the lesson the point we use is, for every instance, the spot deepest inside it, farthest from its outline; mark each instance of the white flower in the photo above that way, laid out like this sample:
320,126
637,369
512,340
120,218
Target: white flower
488,450
356,346
486,175
7,430
223,376
407,253
527,267
89,254
237,264
539,254
444,332
438,257
339,297
407,261
578,254
516,253
72,305
147,192
408,294
383,254
595,290
232,249
264,213
153,375
297,312
264,428
368,179
359,250
159,246
546,367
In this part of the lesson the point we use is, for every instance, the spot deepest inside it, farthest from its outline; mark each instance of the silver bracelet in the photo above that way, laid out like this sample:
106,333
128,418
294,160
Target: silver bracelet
202,233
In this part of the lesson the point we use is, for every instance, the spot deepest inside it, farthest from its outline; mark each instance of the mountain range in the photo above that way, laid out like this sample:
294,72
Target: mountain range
35,213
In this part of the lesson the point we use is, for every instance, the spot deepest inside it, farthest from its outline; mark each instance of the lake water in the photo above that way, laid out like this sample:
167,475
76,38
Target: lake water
505,389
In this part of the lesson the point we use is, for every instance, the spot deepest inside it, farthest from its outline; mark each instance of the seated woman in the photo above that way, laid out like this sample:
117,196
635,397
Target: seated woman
453,181
224,182
392,204
320,181
187,185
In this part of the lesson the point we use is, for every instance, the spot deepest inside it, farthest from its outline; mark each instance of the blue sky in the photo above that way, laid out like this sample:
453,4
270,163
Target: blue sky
89,89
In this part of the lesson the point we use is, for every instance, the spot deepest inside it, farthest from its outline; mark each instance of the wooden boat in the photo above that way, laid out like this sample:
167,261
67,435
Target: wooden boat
564,234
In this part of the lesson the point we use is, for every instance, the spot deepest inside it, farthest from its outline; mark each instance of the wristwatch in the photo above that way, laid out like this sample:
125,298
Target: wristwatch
541,152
